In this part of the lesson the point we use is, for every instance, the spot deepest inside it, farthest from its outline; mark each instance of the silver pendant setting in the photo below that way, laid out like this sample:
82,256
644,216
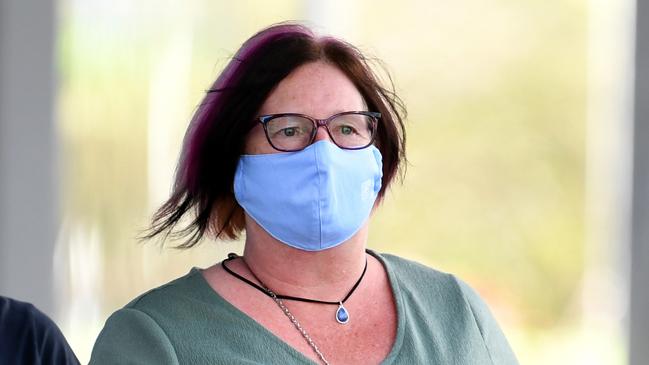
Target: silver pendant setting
342,316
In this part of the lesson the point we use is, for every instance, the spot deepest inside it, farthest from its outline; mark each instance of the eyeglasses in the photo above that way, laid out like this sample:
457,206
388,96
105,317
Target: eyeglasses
289,132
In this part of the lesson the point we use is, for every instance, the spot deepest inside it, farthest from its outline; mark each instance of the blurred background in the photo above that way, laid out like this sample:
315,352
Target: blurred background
520,147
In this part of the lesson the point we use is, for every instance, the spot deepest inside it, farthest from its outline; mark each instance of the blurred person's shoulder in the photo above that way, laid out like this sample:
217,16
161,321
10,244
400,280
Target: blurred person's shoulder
29,336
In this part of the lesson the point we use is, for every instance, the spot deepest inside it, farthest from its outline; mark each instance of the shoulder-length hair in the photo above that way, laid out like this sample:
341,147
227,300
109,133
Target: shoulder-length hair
214,141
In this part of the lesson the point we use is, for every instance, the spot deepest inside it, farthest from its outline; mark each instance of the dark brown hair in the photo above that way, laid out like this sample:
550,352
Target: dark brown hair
203,188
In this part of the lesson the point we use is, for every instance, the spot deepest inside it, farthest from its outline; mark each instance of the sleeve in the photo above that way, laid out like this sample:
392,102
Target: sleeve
493,337
131,336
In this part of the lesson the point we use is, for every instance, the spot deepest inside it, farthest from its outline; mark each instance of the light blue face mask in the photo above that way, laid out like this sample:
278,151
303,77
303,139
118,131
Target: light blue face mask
312,199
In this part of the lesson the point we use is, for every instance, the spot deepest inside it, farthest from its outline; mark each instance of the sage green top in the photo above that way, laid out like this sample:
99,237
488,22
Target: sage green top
441,320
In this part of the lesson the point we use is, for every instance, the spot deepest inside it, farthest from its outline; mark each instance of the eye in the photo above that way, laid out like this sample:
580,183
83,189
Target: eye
346,130
289,127
289,132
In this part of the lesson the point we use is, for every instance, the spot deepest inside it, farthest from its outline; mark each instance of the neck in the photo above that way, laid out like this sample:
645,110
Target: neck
325,275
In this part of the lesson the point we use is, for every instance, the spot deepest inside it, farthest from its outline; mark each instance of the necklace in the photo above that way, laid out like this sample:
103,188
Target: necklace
299,327
342,314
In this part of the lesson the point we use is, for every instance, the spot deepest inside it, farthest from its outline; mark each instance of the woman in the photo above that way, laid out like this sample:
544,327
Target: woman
296,143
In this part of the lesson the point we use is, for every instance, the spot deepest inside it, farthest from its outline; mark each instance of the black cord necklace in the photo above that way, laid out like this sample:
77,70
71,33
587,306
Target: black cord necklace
342,315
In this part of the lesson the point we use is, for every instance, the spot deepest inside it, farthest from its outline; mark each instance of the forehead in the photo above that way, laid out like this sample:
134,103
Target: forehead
316,89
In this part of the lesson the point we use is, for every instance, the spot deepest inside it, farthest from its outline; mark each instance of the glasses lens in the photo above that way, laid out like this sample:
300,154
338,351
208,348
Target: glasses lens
289,133
352,130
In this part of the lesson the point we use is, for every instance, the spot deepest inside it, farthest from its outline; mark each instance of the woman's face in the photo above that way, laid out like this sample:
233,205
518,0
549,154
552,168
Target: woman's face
316,89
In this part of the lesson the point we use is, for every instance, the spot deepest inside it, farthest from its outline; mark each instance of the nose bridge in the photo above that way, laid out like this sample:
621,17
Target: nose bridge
321,133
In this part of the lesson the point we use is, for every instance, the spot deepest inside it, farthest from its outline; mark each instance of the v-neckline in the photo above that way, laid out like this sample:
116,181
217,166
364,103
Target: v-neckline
396,296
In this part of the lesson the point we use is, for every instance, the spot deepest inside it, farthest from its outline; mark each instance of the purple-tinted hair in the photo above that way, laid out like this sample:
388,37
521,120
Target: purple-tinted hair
215,138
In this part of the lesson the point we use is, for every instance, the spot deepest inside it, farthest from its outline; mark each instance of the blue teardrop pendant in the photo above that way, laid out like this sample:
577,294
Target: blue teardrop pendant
342,316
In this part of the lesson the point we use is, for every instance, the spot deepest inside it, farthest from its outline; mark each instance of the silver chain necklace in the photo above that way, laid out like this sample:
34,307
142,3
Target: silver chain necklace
297,325
342,315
